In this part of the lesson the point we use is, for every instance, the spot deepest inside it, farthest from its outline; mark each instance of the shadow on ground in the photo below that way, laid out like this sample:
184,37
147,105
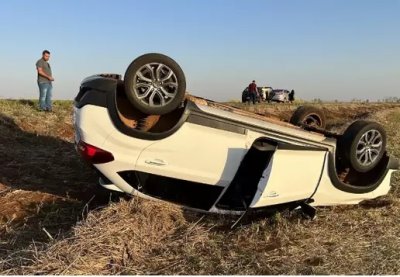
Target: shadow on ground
44,187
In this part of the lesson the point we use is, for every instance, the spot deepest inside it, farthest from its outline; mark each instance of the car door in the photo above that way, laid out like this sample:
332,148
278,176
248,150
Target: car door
292,175
195,153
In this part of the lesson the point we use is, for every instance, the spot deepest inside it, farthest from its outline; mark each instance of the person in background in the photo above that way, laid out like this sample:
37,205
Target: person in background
44,80
291,96
253,91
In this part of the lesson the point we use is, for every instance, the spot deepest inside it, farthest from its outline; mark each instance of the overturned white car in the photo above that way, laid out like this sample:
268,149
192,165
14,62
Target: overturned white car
146,137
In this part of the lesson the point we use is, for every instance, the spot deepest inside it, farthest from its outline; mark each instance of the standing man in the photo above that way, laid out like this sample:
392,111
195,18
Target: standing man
253,91
44,80
291,96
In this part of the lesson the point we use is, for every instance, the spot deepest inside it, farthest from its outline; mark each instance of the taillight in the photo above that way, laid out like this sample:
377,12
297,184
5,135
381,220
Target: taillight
94,154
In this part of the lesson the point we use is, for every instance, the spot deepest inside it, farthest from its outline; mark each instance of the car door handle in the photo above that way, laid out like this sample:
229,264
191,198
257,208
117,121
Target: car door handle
156,162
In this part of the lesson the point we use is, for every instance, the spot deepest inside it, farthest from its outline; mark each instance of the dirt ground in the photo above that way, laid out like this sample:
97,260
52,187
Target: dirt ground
43,183
46,190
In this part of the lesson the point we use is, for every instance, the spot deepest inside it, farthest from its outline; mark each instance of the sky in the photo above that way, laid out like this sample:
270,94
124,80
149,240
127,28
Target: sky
331,50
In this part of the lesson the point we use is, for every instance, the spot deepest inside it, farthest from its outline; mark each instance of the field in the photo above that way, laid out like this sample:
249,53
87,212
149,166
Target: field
54,219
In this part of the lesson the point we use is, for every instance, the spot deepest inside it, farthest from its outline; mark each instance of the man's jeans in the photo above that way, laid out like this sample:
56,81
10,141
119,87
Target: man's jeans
45,90
252,97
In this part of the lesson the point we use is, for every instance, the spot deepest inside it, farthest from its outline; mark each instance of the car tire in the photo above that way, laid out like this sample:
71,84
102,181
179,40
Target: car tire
362,145
155,84
309,116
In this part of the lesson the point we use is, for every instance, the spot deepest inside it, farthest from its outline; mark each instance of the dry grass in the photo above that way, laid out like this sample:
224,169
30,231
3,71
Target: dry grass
145,237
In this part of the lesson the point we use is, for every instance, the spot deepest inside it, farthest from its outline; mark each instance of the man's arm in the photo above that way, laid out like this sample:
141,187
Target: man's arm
41,73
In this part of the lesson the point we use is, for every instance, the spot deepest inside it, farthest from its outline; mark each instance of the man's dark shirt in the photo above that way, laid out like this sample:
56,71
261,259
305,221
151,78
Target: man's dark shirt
46,69
253,88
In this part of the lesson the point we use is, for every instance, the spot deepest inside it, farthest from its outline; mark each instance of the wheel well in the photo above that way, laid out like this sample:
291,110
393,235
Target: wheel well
137,120
347,179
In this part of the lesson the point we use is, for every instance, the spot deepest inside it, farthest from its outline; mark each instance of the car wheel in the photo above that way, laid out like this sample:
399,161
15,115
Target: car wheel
309,116
362,145
155,84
